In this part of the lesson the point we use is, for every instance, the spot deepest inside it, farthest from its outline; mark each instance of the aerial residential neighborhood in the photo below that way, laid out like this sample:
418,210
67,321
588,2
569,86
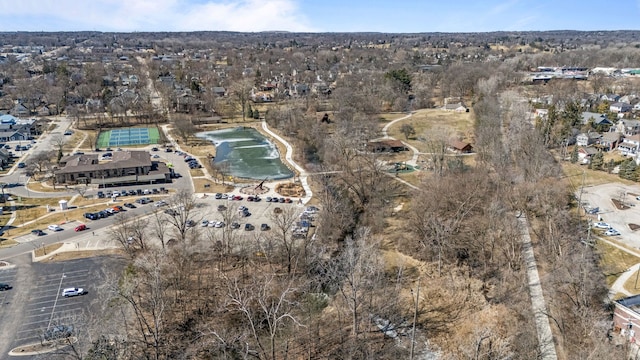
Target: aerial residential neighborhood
318,195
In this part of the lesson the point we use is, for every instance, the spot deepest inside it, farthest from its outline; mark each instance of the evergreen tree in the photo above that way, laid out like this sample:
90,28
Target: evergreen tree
249,111
597,161
574,155
256,114
628,169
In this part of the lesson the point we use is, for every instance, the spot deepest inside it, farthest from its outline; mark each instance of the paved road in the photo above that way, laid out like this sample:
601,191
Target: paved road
31,242
46,142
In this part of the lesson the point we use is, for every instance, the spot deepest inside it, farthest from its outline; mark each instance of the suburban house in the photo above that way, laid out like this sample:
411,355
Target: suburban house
596,118
13,129
457,107
299,89
124,167
628,127
610,97
219,90
185,102
386,146
629,145
585,153
620,107
626,317
460,147
44,110
20,110
586,139
609,141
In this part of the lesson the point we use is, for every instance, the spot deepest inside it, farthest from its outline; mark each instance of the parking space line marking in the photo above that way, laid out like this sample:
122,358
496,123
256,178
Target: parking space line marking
42,308
53,310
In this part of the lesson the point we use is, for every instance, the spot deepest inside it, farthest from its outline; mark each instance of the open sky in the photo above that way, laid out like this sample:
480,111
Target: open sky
318,15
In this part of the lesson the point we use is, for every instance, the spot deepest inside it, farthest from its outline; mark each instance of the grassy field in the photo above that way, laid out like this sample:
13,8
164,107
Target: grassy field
573,174
73,141
199,185
633,284
427,121
196,172
614,261
41,251
89,142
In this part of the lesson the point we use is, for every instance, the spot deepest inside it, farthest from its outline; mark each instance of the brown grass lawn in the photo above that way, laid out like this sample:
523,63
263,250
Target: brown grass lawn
80,201
455,124
614,261
41,251
38,186
196,172
7,243
73,140
199,148
83,254
199,184
633,284
86,144
573,174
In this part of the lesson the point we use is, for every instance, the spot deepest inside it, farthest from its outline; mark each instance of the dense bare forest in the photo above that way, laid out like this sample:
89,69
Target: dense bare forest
392,272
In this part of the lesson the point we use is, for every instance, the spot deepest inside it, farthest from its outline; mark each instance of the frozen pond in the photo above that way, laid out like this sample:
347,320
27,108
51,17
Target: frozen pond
248,153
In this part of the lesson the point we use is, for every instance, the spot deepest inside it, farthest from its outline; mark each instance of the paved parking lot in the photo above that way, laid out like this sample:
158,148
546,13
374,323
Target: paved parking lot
7,276
46,307
261,211
600,196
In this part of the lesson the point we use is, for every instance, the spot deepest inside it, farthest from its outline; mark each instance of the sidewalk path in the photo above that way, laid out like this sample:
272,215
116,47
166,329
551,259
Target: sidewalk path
415,151
302,173
165,129
538,304
618,285
11,219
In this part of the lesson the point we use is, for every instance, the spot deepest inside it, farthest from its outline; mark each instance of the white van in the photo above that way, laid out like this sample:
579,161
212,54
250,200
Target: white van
68,292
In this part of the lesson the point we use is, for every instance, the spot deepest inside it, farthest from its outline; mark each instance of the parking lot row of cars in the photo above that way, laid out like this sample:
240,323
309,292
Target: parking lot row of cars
137,192
117,208
609,231
252,198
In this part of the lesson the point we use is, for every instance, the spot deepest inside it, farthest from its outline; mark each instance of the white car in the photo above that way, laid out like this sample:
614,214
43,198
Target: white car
219,224
160,203
601,225
73,292
205,223
612,232
54,228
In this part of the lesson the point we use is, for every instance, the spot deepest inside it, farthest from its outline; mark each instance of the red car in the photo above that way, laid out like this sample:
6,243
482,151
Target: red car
81,227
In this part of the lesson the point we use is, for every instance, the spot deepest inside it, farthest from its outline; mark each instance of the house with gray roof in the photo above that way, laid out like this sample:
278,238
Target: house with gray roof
125,167
628,127
598,119
586,139
620,107
609,141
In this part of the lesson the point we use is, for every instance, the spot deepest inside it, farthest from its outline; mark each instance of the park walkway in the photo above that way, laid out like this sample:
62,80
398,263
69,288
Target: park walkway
538,304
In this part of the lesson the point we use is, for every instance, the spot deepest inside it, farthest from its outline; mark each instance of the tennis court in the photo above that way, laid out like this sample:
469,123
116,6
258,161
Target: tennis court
131,136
